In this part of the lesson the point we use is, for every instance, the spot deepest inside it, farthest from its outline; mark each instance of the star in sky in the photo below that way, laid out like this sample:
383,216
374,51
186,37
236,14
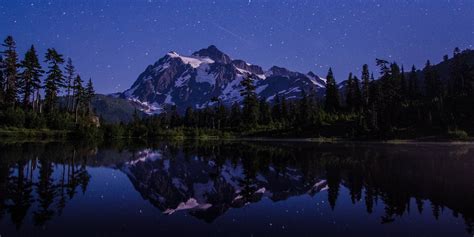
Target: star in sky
114,41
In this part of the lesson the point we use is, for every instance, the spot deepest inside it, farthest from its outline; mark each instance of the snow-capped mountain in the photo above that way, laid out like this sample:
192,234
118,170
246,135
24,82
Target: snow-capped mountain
197,80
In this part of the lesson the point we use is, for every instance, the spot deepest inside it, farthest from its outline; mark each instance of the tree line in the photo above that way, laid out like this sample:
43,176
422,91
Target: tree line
30,93
392,103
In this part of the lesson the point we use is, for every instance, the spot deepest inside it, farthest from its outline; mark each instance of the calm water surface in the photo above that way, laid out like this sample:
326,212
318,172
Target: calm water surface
237,189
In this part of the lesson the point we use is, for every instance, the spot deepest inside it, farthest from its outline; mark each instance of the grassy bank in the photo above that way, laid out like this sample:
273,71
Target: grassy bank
11,133
22,133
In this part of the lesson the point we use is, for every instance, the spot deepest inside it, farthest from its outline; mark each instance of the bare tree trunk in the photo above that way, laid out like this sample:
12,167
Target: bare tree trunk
77,111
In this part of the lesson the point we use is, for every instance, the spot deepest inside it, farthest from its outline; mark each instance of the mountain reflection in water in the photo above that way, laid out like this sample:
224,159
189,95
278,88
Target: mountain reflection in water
208,179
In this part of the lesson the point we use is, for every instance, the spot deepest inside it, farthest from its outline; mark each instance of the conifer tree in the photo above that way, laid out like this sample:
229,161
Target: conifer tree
403,85
30,77
276,109
265,116
432,84
10,71
350,93
332,93
2,81
374,103
78,95
89,95
304,114
250,103
221,114
357,94
413,84
284,110
365,85
189,117
235,115
55,80
70,73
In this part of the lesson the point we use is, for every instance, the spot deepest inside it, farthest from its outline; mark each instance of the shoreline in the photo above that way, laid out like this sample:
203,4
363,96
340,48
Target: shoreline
45,135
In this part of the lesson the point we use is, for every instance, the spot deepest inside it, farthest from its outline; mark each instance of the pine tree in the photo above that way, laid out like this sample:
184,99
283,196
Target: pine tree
70,73
374,103
285,117
403,85
265,115
332,93
10,71
365,85
350,93
276,109
89,95
221,114
2,81
78,95
250,103
413,84
30,77
189,117
235,115
304,114
54,81
357,94
389,85
432,83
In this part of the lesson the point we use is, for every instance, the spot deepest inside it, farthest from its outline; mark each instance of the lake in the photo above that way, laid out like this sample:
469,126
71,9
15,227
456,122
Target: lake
236,188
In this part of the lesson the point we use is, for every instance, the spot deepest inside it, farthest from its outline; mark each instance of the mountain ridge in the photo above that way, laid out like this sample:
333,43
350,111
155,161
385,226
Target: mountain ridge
208,74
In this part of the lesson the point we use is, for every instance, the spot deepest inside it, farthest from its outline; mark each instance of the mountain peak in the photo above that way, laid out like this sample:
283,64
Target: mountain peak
213,53
279,71
311,73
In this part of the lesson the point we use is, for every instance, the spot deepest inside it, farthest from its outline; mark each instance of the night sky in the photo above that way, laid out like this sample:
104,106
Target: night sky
113,41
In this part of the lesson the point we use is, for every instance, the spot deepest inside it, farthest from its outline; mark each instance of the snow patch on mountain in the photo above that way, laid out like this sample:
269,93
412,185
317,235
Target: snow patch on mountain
204,75
195,62
189,204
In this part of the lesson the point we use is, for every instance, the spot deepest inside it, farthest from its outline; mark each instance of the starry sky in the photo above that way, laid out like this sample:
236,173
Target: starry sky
113,41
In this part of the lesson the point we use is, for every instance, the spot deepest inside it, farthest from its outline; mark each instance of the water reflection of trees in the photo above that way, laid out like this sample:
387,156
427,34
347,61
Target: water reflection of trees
41,179
402,178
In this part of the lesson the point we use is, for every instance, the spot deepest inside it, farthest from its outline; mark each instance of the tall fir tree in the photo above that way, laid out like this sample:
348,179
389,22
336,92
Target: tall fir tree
304,114
70,75
89,95
285,116
265,114
235,115
189,117
374,103
79,95
365,85
10,71
276,109
221,113
403,85
432,83
30,77
55,80
2,81
350,93
413,84
357,94
332,93
250,103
